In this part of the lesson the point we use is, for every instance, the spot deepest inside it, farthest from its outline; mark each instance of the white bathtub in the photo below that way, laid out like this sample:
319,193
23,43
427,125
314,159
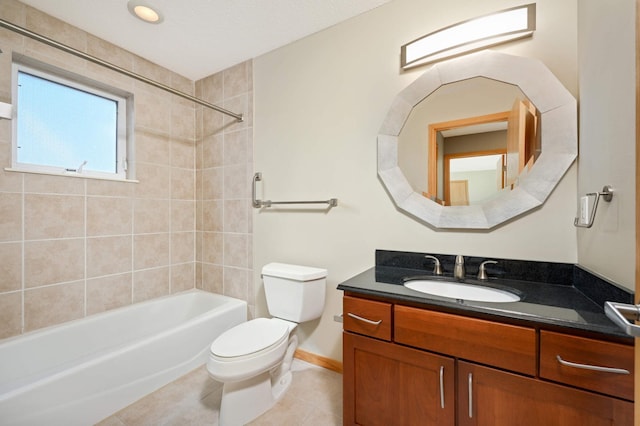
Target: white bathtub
80,372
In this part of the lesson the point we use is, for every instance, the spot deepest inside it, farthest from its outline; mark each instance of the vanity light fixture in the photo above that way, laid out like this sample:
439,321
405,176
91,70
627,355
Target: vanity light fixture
469,36
144,11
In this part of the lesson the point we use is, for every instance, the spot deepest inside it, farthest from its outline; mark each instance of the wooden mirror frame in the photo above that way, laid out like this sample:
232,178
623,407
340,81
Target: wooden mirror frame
559,131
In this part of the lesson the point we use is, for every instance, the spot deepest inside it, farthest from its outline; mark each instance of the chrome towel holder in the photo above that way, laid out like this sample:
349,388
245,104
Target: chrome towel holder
606,194
257,177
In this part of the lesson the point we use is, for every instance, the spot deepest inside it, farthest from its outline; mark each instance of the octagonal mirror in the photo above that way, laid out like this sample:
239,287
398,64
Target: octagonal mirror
477,141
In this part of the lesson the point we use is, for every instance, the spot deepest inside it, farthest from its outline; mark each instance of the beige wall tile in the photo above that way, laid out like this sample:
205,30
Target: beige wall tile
110,188
13,11
213,122
236,182
151,216
236,216
236,80
240,105
150,284
47,184
213,216
183,184
10,314
155,181
235,250
213,151
182,247
11,214
213,247
212,278
53,216
9,181
182,277
53,261
109,216
109,255
236,147
45,306
152,147
53,56
152,71
198,281
212,88
108,293
183,215
62,32
153,112
199,237
151,250
199,215
182,122
183,153
236,283
212,183
103,49
10,267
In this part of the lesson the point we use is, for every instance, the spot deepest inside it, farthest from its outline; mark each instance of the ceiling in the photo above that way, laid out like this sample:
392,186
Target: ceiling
201,37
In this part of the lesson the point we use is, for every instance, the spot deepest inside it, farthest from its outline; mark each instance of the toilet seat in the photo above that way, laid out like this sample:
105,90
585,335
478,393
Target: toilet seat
248,339
248,349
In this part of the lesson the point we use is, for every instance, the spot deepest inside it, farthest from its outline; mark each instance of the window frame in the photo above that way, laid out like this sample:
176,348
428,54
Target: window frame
124,119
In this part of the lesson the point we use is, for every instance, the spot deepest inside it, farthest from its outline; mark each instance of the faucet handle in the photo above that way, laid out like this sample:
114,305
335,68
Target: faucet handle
482,273
437,268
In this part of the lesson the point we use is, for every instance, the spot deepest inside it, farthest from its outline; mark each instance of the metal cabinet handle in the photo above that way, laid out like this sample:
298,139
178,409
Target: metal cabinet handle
592,367
368,321
470,395
442,386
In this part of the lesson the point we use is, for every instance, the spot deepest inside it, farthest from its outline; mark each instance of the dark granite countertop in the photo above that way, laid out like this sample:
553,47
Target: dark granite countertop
557,303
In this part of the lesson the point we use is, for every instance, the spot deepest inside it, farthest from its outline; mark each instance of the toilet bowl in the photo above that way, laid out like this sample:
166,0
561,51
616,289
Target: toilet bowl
253,359
249,349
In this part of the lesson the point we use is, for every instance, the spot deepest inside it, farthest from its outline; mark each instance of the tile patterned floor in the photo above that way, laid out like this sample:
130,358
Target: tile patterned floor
314,398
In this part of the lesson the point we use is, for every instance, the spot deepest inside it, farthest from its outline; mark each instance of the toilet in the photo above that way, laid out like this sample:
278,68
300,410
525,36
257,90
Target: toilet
253,359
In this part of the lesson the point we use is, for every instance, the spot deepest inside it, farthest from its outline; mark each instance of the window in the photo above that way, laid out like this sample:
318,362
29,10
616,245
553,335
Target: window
68,124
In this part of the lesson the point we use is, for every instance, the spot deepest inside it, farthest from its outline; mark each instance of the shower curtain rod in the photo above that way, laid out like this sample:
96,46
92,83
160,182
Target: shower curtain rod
68,49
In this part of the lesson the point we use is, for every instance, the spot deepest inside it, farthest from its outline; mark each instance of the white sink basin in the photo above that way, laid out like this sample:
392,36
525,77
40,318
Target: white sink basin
462,291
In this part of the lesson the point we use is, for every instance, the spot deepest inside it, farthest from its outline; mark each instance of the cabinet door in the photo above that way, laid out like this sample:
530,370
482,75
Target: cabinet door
387,384
496,398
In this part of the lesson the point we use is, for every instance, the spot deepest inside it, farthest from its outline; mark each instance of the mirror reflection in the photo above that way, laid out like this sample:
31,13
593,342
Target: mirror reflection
468,141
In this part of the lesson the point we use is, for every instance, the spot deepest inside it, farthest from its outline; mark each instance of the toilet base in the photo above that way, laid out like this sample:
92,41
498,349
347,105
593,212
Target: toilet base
235,408
245,400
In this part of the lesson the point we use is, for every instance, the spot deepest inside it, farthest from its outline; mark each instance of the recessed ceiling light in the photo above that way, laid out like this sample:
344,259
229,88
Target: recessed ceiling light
145,12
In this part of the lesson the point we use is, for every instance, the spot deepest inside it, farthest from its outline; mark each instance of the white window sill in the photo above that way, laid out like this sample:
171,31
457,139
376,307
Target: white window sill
71,174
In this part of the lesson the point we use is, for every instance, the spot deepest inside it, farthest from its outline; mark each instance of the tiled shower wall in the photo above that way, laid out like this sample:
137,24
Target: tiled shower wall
224,163
71,247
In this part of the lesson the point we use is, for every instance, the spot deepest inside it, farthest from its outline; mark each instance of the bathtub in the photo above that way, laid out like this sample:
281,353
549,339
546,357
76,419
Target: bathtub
82,371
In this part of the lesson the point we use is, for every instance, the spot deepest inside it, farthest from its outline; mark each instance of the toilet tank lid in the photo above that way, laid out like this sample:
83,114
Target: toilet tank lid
293,272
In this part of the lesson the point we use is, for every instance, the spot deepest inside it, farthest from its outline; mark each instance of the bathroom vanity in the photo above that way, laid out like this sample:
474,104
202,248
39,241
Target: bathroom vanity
550,358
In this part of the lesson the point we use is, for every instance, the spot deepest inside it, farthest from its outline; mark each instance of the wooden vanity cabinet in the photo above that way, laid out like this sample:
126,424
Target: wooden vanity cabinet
390,384
488,396
410,366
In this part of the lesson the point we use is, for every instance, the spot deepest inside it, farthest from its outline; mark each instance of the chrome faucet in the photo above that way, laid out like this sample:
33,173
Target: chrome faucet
458,268
482,272
437,268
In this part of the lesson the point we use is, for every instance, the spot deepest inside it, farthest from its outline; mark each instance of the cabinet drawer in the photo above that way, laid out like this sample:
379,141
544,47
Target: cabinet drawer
578,355
367,317
501,345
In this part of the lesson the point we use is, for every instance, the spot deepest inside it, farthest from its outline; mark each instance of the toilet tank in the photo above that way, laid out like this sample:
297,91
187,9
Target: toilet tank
294,293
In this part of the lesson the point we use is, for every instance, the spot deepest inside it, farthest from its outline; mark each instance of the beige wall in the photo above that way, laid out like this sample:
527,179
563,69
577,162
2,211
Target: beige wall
72,247
607,55
319,103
